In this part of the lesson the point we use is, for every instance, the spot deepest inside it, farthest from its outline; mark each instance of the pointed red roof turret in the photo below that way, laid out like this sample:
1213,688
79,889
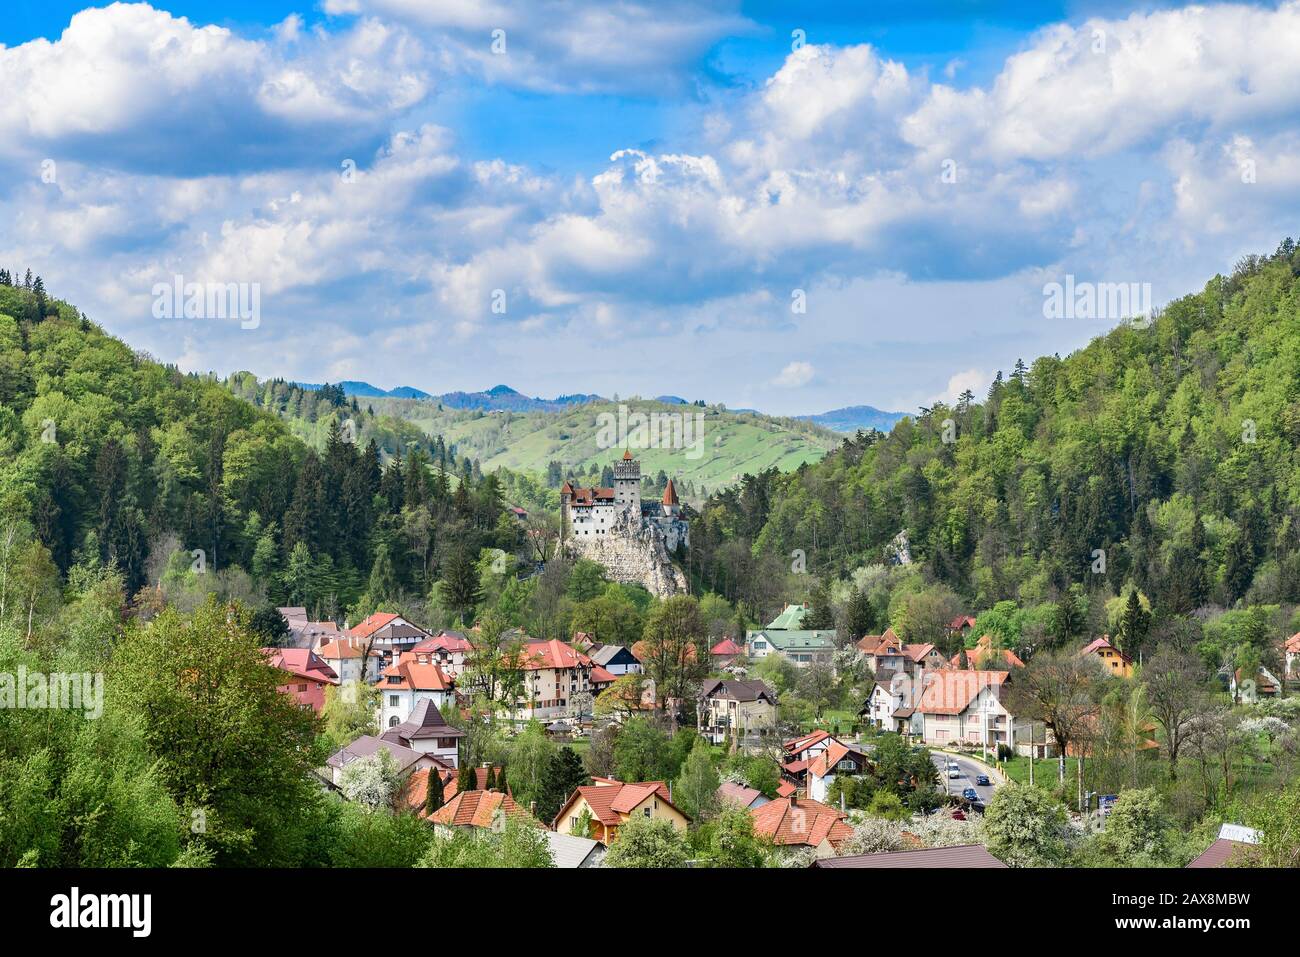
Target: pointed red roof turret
566,488
627,455
670,494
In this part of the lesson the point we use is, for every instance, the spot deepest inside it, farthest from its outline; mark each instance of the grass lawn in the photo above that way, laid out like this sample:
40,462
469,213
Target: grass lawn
832,717
1045,770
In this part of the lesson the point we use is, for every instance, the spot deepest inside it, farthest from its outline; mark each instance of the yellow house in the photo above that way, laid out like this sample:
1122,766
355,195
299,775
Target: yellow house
609,804
1112,659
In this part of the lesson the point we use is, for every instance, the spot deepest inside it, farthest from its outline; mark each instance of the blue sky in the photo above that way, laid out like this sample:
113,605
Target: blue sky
667,197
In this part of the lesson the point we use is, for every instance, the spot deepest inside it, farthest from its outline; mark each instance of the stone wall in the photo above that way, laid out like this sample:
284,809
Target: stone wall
634,555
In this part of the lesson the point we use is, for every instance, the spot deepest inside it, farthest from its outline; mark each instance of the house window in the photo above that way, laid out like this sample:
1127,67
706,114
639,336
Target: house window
392,722
393,700
647,812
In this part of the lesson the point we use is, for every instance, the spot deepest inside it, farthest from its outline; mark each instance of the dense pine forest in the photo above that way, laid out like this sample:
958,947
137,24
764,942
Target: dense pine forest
111,457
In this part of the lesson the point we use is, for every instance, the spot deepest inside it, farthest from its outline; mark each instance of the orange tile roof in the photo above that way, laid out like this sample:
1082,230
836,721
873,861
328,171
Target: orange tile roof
788,822
1101,644
726,648
1293,643
612,800
477,809
872,644
552,654
951,692
826,761
373,623
415,676
980,655
600,675
301,663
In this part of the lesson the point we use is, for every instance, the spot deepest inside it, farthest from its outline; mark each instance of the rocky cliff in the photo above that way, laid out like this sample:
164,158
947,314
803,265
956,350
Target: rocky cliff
634,555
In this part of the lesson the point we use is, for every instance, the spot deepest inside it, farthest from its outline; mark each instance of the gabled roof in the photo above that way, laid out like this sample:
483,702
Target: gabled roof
984,652
951,692
610,801
962,855
1293,643
918,652
824,763
871,644
600,676
790,619
1101,644
607,653
570,850
738,793
477,809
1219,854
962,621
301,663
448,641
368,744
802,822
552,654
380,619
795,745
733,689
415,791
410,674
726,648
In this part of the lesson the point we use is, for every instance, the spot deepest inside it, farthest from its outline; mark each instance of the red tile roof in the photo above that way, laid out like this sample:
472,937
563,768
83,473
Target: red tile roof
477,809
601,676
443,642
302,663
825,762
1293,643
726,648
1218,853
414,676
738,793
788,822
611,800
670,494
795,745
981,653
553,654
873,644
373,623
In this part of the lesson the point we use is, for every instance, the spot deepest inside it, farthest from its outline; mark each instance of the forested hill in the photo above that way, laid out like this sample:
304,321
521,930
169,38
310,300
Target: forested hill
106,455
1172,448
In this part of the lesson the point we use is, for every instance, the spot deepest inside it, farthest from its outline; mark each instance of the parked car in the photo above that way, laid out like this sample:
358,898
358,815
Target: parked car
953,773
970,794
982,780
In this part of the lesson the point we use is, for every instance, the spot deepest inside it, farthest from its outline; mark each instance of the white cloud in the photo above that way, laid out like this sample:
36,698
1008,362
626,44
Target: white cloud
795,375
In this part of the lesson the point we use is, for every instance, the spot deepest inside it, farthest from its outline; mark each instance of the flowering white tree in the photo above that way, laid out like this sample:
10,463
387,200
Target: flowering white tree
370,781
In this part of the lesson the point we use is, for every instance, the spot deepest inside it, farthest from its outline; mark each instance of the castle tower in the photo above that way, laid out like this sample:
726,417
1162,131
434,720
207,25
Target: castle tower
627,484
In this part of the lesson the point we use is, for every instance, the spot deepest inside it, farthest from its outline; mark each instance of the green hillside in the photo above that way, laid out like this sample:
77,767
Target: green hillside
734,443
1162,458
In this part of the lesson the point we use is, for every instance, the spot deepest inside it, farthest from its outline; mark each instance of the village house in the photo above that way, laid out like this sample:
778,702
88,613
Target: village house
960,706
414,793
305,633
746,798
347,658
450,650
609,804
570,850
427,732
388,634
408,682
557,682
797,823
886,655
309,675
406,760
799,753
1292,651
787,637
984,657
478,810
725,654
1113,660
891,705
615,659
1263,685
728,709
960,627
823,768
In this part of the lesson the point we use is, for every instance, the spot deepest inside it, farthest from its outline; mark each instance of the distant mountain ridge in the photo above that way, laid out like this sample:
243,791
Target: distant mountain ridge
502,398
854,417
